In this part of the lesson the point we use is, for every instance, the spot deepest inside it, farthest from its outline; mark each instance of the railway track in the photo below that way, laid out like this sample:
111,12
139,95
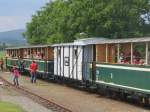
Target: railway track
46,103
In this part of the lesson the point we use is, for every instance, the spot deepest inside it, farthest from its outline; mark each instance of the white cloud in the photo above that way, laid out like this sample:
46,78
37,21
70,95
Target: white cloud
13,22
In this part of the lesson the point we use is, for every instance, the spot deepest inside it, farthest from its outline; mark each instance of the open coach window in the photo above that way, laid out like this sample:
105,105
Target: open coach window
139,53
133,53
101,53
124,56
112,53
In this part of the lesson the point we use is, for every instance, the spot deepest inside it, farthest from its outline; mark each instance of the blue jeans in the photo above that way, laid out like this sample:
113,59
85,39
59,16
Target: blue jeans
33,77
15,80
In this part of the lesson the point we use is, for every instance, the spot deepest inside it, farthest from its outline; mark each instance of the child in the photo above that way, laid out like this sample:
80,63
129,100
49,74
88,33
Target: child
16,75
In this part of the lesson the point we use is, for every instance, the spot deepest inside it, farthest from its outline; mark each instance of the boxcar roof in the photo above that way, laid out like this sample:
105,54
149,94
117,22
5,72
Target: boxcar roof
81,42
63,44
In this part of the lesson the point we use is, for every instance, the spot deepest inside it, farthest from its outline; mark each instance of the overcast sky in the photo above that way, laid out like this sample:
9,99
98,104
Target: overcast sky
15,13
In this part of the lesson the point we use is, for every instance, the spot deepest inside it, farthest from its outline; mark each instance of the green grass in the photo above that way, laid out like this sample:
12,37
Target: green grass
2,54
9,107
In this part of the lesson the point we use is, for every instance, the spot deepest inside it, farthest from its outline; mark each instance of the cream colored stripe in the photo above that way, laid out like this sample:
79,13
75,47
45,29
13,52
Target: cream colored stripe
124,67
113,84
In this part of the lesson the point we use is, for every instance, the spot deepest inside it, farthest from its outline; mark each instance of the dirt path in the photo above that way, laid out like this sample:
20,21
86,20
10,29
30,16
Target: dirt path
75,100
6,94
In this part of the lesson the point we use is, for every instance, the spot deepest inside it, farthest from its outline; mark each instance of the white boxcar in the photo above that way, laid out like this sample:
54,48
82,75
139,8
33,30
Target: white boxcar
71,60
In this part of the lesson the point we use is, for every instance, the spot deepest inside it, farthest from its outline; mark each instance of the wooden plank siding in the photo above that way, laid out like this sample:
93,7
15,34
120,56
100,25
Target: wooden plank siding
101,53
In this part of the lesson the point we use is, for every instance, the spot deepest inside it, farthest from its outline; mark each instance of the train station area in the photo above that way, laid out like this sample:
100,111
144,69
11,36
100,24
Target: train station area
13,101
73,99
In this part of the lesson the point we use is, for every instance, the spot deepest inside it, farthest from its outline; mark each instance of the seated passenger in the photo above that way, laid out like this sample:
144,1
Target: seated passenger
42,56
135,61
25,54
34,54
136,56
141,62
121,58
127,58
38,55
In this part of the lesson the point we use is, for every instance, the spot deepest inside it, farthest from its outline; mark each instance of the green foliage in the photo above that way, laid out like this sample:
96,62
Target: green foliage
2,54
64,20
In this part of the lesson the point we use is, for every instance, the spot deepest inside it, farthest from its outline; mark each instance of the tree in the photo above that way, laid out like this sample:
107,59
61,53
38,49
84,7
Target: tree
63,20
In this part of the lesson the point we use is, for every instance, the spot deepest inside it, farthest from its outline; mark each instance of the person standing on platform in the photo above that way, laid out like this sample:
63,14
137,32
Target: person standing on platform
33,69
16,75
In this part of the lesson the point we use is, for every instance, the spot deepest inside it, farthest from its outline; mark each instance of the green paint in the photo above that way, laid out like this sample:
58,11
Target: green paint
130,78
11,62
41,66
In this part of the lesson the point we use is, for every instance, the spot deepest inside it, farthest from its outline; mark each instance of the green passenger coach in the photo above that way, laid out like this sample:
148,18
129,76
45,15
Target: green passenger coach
123,66
22,57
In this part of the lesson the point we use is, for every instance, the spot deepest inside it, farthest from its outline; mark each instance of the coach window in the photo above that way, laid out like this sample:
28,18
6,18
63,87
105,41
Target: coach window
112,53
101,53
43,53
139,53
37,54
34,53
148,53
15,53
25,53
28,56
31,53
124,53
12,53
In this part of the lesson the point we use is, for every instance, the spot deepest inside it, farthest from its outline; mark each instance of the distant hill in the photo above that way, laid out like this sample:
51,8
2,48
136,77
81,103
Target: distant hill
13,38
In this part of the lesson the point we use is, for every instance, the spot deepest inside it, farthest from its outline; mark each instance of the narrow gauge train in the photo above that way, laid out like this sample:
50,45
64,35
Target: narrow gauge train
116,66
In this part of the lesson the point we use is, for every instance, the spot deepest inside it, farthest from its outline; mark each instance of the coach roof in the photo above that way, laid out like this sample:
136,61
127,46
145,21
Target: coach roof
35,46
82,42
128,40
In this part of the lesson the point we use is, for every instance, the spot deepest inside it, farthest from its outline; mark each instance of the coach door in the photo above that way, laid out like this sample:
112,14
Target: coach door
94,64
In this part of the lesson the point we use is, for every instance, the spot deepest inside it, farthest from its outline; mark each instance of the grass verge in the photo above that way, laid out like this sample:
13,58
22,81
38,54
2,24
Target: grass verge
9,107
